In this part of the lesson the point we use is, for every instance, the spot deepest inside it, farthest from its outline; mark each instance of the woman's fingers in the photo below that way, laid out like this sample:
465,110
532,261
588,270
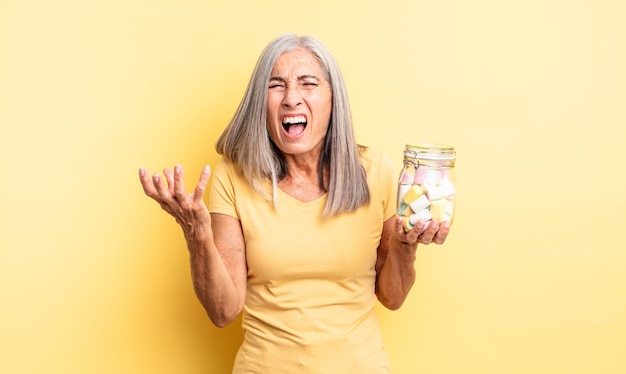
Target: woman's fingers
147,184
187,209
424,232
155,187
161,188
169,178
400,229
172,186
410,237
202,184
426,237
442,233
178,184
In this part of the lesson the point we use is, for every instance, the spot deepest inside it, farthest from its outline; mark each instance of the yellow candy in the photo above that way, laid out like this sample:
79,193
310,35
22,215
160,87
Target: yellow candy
441,209
412,194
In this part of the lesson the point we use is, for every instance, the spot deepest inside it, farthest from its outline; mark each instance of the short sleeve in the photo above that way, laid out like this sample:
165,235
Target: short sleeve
388,186
222,191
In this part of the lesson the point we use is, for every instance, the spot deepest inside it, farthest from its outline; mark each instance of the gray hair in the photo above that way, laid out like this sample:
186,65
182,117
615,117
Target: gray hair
247,144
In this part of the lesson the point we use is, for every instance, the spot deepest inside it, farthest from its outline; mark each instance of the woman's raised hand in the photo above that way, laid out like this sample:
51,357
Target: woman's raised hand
189,210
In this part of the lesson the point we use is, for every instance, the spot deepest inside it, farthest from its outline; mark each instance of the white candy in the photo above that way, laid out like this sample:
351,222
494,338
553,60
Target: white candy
432,175
429,184
443,189
422,215
421,203
402,190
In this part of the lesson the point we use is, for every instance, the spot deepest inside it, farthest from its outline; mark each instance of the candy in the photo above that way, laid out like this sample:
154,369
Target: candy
426,192
422,215
413,193
441,209
402,190
431,179
428,195
407,224
432,175
404,210
420,175
420,203
405,178
442,189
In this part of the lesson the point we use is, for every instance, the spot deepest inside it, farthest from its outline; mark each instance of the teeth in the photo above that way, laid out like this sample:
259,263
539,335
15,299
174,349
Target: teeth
297,119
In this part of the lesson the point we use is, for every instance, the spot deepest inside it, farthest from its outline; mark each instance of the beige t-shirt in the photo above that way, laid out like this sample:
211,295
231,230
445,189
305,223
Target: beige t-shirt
310,292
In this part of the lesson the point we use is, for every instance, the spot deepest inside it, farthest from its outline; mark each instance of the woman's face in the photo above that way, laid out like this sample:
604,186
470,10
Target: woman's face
299,104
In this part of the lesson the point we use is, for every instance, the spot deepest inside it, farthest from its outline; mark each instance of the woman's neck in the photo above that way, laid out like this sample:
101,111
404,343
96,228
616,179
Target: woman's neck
302,181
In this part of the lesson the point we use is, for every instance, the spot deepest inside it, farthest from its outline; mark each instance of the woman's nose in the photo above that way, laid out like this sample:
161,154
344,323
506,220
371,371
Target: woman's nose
292,97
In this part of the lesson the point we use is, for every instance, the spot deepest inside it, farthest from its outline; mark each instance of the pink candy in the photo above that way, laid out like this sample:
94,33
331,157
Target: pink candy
433,201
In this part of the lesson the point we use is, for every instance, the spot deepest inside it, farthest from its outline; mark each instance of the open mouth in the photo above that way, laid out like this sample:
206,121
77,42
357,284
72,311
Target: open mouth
294,125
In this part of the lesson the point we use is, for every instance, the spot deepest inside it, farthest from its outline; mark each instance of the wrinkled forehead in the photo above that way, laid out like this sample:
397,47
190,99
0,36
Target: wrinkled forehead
297,63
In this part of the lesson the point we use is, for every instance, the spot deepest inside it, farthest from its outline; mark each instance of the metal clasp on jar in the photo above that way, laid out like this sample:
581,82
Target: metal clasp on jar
413,159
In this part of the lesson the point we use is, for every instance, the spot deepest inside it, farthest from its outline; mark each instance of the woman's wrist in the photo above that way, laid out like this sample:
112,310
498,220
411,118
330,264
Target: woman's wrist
404,248
197,235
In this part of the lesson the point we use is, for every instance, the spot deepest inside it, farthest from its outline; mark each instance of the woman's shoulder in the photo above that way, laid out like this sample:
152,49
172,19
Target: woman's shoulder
226,165
226,169
374,158
227,172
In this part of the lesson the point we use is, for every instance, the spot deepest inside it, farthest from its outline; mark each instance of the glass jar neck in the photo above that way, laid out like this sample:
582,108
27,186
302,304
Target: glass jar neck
429,155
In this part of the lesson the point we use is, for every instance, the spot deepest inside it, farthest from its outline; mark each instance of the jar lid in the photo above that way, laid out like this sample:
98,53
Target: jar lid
431,151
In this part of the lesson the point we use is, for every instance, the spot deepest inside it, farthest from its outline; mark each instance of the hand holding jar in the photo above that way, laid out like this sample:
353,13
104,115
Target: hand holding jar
426,184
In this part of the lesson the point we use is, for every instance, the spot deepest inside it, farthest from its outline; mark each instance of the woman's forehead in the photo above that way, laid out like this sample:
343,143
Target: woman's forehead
296,63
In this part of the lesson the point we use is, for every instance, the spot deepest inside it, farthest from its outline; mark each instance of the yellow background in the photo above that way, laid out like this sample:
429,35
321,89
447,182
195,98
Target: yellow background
94,277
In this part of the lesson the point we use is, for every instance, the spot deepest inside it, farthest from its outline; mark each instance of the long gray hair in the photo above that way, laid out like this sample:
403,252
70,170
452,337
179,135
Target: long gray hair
247,144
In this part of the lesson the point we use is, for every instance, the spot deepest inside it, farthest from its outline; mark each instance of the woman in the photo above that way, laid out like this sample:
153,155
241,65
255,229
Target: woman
300,233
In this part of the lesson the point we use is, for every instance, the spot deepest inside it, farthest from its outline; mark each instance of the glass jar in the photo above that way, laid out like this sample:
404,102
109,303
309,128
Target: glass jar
426,184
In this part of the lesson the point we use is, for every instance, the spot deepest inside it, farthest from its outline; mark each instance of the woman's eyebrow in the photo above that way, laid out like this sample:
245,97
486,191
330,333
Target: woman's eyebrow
301,77
307,76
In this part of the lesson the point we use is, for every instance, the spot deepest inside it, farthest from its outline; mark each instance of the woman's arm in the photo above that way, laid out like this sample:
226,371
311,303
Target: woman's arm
395,269
215,243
